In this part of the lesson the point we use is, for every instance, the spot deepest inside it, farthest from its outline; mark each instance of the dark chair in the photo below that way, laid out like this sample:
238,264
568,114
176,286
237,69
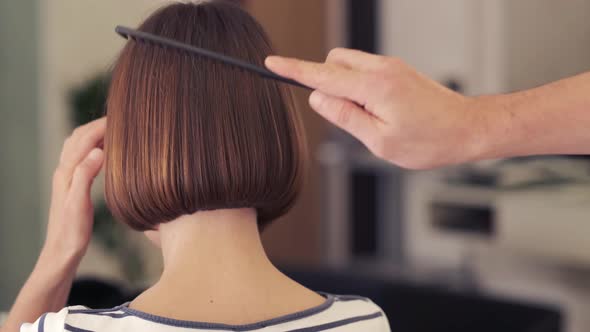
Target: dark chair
95,293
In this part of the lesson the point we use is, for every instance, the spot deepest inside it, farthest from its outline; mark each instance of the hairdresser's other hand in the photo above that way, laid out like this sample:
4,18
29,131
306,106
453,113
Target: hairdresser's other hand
399,114
71,213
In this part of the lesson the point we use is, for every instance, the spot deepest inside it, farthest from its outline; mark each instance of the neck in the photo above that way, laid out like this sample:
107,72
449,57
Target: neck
215,267
212,244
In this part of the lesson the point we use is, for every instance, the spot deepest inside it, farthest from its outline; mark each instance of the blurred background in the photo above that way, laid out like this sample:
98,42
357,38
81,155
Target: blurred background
492,246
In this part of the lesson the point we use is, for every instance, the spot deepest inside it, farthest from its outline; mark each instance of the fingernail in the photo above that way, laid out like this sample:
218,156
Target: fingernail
315,99
95,154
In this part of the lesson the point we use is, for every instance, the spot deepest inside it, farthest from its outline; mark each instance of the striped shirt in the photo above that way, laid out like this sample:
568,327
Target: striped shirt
342,313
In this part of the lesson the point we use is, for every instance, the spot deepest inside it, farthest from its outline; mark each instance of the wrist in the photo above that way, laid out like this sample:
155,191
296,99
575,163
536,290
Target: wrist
56,262
65,251
490,127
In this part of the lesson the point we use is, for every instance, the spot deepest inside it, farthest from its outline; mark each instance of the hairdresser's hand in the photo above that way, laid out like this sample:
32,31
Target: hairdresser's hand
71,213
399,114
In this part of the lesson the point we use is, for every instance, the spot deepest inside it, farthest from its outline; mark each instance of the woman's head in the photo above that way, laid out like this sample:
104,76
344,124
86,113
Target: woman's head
187,133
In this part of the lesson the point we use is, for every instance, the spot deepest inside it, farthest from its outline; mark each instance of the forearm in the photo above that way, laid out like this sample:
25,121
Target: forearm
46,290
551,119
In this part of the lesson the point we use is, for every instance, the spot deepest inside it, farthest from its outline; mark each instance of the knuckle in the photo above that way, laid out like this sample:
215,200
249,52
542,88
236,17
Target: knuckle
384,84
58,176
76,132
391,65
81,130
84,137
395,61
67,142
82,170
335,53
383,62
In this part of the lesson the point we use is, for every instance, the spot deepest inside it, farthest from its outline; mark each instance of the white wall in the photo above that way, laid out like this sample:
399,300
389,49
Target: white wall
490,45
546,40
433,36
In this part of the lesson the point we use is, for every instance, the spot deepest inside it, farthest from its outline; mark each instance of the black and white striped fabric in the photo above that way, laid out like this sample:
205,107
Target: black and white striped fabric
338,313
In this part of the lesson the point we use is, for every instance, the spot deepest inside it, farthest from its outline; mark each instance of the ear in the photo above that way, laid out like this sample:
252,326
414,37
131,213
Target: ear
154,236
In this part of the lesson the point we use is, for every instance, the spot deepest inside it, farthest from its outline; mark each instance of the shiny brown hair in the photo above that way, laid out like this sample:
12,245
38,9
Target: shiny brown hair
185,133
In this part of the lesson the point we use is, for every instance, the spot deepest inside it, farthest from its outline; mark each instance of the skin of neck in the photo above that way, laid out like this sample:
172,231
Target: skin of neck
215,267
212,245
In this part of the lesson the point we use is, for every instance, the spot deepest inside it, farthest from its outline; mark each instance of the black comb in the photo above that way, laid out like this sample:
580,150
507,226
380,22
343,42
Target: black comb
170,43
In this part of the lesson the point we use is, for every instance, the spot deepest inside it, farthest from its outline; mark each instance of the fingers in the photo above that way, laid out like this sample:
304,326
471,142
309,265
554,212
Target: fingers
345,114
329,78
79,144
355,59
85,173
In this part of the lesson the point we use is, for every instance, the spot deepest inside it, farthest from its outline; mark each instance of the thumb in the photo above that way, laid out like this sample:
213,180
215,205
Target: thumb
85,173
344,114
330,78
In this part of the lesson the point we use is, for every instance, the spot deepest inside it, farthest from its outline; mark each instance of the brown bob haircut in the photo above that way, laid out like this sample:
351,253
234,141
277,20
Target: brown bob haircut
187,134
